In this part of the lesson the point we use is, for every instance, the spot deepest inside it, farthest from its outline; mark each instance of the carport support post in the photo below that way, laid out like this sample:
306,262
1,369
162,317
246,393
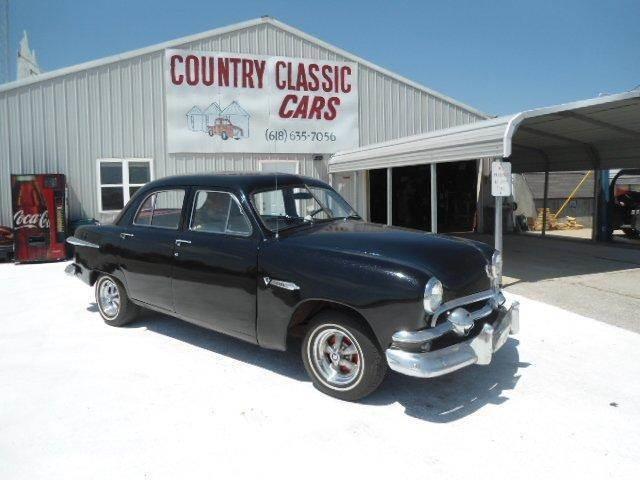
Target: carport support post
389,196
544,201
434,199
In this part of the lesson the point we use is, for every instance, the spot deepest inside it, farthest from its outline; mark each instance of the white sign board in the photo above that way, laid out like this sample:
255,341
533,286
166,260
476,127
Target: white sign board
500,179
228,102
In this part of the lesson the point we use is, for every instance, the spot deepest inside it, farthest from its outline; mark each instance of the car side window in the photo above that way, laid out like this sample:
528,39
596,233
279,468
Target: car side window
218,212
161,209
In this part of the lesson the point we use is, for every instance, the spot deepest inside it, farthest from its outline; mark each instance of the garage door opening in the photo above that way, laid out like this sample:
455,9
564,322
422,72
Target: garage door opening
411,196
457,186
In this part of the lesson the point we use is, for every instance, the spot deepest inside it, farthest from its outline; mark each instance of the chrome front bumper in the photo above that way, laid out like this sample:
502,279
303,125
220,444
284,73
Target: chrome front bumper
479,349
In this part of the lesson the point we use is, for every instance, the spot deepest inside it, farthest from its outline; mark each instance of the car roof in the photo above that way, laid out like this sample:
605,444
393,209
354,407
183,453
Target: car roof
244,181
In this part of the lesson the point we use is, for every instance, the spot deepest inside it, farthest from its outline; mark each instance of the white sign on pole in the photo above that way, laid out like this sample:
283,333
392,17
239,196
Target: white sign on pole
500,179
228,102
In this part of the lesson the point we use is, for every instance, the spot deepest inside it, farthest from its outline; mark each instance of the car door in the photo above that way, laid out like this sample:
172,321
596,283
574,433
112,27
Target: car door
214,272
147,247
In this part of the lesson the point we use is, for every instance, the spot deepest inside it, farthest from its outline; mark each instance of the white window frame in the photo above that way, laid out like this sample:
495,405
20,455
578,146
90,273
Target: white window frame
125,178
297,163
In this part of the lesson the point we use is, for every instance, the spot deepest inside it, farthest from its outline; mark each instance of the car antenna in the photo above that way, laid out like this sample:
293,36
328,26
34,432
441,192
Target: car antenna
277,223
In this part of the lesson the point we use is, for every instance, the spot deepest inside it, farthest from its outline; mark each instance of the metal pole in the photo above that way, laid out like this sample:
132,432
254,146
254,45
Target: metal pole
389,196
498,221
356,199
544,201
434,199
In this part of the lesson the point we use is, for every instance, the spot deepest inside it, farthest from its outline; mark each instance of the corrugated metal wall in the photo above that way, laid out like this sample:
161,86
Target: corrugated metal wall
63,124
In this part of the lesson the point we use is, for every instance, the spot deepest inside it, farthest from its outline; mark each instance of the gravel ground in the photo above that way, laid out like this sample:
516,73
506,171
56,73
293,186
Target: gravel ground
164,399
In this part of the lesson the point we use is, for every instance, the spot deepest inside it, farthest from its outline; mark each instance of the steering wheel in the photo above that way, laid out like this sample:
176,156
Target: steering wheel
315,212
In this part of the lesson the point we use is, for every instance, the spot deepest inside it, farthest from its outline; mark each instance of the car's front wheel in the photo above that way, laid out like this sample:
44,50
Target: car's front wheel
342,357
113,303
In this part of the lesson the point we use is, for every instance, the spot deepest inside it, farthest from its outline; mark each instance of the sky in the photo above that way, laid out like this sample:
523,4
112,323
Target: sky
498,56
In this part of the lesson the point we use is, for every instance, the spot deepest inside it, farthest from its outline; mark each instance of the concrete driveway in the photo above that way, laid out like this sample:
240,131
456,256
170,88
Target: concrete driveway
164,399
600,281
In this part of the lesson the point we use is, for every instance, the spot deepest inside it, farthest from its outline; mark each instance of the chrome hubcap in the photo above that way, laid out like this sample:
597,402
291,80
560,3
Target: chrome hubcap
109,298
336,357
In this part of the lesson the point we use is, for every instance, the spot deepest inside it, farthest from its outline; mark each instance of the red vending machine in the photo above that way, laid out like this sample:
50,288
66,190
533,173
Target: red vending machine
39,217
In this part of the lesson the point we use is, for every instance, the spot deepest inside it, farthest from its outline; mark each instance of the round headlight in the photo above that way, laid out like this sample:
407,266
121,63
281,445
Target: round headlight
432,295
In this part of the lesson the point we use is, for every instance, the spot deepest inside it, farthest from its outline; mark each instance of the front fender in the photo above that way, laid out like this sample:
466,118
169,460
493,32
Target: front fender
387,295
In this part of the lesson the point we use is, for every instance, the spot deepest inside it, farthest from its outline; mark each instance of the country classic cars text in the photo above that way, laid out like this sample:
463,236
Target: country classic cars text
305,78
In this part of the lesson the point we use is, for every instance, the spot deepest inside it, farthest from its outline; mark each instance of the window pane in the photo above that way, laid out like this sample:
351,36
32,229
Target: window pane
270,203
338,206
133,190
237,223
143,217
168,209
110,173
211,211
139,172
112,198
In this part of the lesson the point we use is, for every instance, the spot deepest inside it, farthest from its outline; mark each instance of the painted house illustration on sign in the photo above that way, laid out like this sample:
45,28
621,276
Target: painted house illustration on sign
196,120
232,122
238,116
212,112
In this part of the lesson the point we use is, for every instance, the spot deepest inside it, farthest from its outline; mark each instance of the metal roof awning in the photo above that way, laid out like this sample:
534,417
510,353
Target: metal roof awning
598,133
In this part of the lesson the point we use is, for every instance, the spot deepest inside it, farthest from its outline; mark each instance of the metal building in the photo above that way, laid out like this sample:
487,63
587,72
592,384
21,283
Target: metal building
598,134
103,123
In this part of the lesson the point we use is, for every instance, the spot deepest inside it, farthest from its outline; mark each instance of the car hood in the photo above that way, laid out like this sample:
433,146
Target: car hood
458,263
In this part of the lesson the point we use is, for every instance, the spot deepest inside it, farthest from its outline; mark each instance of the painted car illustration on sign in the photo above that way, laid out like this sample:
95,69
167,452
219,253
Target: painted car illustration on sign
230,122
223,127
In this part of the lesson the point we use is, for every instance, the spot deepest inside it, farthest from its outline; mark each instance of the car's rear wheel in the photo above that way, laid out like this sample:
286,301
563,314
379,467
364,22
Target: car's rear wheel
113,303
631,232
341,357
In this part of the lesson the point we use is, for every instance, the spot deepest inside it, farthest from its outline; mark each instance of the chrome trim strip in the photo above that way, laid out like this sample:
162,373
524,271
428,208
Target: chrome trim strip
81,243
280,284
421,336
459,302
477,350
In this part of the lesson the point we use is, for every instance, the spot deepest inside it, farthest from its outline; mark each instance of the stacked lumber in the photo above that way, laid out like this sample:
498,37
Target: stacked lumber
551,220
569,223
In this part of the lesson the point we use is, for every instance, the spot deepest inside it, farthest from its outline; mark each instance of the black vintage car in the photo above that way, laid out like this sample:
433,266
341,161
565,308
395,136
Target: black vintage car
625,205
270,257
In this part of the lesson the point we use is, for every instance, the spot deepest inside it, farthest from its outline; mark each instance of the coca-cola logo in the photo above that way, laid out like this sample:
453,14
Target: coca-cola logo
30,220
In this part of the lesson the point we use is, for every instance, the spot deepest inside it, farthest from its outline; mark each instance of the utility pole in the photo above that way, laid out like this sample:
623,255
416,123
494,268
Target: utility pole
4,41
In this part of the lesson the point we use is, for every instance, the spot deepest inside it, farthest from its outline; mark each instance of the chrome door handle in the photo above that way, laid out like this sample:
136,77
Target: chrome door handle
180,242
126,235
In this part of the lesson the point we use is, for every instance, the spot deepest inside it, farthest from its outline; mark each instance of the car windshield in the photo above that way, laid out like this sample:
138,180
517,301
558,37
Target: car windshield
290,206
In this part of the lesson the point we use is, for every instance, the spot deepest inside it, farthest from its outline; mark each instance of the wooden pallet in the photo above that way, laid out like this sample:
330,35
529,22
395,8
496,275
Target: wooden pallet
551,220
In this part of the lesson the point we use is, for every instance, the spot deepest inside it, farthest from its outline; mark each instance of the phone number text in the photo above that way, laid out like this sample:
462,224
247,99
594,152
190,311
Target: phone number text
283,135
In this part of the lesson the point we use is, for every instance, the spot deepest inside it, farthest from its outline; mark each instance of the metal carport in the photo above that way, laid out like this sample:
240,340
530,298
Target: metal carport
595,134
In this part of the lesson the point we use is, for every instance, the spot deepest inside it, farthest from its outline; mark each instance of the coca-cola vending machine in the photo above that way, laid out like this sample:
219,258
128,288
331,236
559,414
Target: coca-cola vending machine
39,217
